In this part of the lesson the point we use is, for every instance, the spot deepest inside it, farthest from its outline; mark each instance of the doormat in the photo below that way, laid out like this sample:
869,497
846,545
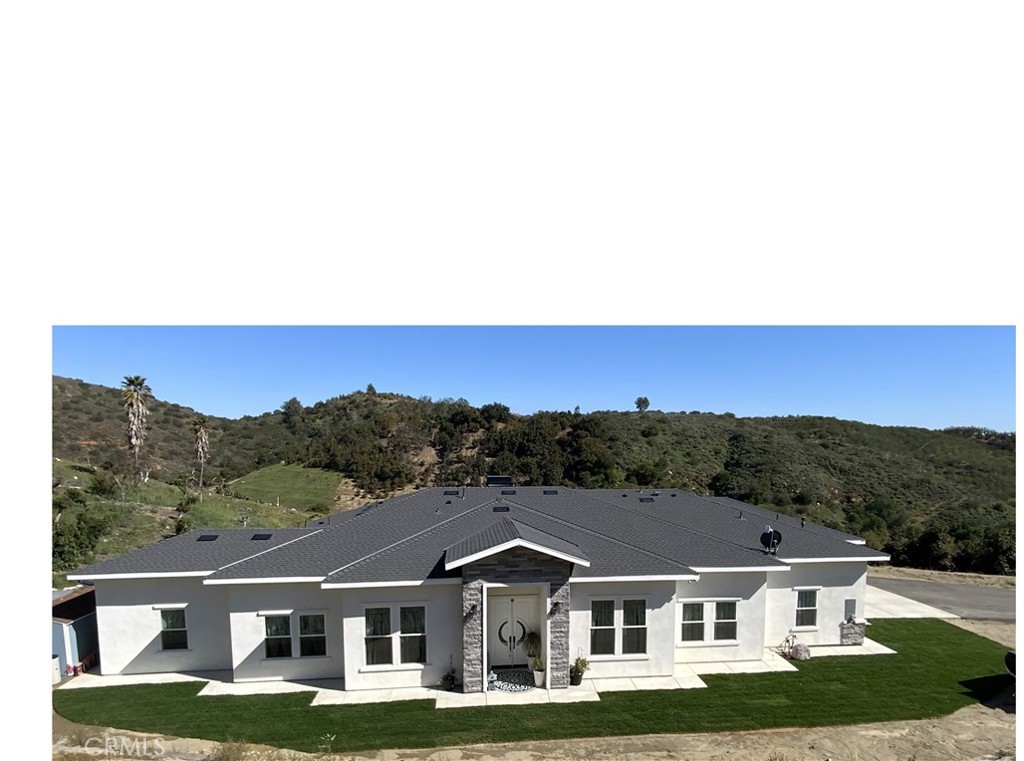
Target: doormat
513,680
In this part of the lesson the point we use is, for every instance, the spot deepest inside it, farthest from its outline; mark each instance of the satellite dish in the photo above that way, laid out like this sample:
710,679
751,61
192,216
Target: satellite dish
771,539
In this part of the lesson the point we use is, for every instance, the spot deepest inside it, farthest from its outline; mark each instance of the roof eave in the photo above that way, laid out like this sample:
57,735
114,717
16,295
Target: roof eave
139,575
512,544
381,584
267,580
880,558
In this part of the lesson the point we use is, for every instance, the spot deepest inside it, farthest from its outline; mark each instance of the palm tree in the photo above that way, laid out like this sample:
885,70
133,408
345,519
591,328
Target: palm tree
135,393
199,423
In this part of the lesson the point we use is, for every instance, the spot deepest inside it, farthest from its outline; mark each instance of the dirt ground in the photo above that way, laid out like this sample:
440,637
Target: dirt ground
977,733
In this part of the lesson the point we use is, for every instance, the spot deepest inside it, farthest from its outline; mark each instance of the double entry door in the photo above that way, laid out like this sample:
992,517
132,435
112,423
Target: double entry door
509,618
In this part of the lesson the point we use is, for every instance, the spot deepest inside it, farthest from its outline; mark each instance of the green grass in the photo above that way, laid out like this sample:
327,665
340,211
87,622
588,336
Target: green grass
939,669
294,485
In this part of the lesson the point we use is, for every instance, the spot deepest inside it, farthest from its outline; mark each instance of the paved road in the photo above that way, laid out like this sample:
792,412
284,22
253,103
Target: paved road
967,601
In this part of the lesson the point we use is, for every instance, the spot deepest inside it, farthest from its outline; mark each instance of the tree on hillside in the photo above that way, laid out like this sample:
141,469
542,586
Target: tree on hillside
135,394
202,438
642,403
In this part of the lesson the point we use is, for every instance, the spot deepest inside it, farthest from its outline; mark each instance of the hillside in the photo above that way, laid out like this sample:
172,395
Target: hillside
936,499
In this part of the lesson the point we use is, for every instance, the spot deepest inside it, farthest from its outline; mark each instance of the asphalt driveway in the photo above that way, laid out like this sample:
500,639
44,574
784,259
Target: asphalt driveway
965,600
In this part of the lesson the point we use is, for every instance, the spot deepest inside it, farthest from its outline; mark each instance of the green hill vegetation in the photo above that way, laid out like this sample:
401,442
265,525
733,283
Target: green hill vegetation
932,499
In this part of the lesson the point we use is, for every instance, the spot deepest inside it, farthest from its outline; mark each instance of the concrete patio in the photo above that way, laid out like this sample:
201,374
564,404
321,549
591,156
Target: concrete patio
685,676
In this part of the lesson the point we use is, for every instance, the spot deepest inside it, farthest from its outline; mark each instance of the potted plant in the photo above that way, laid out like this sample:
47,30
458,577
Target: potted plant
447,680
531,645
538,672
579,666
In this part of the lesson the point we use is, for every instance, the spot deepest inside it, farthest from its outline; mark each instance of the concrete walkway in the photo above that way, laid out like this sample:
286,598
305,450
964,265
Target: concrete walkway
686,676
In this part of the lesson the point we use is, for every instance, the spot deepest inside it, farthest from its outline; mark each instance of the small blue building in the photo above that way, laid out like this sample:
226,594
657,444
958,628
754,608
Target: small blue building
75,640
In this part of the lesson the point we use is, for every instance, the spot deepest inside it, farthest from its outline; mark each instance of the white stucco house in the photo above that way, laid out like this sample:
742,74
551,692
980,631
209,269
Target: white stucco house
395,593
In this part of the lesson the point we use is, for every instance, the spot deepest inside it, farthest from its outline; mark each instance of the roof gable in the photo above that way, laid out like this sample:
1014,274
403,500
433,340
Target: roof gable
506,533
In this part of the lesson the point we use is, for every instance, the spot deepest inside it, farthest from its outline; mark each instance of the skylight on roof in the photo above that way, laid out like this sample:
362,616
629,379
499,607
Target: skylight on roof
260,537
501,508
551,491
647,499
207,537
451,492
508,492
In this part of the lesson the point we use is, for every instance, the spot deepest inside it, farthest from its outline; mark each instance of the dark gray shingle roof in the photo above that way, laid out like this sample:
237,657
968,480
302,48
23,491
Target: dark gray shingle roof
408,538
185,553
740,524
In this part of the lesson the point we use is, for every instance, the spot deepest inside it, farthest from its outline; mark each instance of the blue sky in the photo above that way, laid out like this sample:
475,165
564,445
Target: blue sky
931,377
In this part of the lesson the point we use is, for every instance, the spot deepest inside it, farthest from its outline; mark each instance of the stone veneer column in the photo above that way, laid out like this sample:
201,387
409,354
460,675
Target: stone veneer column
558,637
515,566
472,635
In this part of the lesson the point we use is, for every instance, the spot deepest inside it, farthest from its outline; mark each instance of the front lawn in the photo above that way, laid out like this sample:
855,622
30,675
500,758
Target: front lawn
939,668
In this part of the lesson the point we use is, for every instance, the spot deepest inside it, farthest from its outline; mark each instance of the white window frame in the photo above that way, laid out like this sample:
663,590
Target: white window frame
267,637
798,627
395,613
735,621
184,615
619,625
702,623
306,614
634,627
710,618
295,635
604,628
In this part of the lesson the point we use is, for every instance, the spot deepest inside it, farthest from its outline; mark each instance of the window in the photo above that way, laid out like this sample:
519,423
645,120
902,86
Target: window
634,626
725,620
396,634
312,635
722,615
413,635
378,636
807,607
602,627
618,627
278,643
290,634
693,622
173,634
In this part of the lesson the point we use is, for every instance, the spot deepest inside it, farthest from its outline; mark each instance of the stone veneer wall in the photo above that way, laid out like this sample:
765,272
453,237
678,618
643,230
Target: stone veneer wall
851,633
515,566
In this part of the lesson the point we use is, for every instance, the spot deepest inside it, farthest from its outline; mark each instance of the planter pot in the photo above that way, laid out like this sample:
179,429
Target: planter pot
575,678
538,678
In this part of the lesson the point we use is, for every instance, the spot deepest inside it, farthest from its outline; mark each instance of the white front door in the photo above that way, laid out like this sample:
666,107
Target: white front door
509,618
